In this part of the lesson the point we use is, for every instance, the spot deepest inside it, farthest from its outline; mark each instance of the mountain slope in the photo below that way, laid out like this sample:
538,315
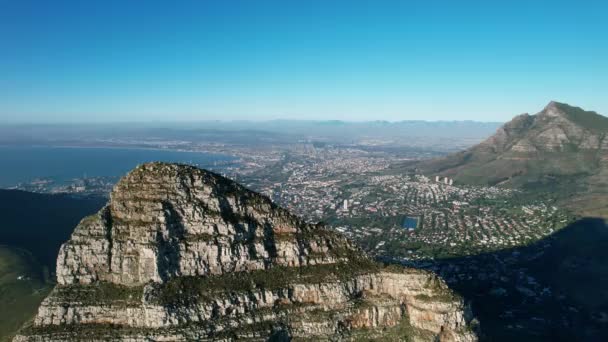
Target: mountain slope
562,148
179,253
32,229
22,288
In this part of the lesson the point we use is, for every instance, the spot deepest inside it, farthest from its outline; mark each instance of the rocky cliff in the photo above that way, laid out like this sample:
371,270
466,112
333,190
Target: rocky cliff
179,253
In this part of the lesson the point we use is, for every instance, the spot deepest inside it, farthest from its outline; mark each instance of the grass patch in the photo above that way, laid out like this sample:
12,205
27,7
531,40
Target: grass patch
19,298
100,293
184,290
402,332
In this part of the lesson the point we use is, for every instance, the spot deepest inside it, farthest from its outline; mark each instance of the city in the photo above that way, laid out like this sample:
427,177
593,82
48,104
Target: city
407,171
363,195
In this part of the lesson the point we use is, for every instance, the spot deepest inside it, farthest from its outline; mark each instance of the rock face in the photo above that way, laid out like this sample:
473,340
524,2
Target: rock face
180,253
560,146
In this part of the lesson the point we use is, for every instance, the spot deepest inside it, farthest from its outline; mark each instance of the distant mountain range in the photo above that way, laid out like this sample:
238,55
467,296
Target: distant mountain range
453,134
563,149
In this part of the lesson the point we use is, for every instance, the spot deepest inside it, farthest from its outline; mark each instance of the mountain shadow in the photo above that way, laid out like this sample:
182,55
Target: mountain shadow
32,229
40,223
553,290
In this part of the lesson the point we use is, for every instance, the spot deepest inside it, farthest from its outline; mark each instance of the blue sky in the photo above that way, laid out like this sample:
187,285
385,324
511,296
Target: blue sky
67,61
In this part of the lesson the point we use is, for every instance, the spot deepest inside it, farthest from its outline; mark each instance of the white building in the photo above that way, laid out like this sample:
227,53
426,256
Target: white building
345,205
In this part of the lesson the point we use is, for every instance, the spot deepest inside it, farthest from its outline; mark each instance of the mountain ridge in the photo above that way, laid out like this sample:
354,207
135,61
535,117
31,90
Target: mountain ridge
180,253
561,146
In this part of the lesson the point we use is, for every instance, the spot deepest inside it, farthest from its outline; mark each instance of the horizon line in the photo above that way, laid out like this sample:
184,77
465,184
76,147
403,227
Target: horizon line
228,121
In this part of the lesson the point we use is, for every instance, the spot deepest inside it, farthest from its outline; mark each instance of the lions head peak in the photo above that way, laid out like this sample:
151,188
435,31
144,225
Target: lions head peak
180,253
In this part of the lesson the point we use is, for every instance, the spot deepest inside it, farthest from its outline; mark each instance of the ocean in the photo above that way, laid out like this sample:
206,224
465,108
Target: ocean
24,164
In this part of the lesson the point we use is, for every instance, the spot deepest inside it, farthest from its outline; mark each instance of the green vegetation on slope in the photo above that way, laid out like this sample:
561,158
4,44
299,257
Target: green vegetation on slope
33,227
183,290
101,292
586,119
22,289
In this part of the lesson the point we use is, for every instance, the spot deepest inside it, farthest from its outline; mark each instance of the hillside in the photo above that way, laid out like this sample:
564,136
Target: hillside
562,149
180,253
22,288
33,228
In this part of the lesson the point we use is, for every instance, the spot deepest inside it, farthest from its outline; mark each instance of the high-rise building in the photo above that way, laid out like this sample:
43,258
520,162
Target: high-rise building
437,179
446,180
345,205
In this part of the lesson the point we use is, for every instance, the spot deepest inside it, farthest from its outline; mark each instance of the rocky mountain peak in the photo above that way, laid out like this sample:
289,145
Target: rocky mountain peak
570,115
554,110
558,126
169,220
180,253
561,143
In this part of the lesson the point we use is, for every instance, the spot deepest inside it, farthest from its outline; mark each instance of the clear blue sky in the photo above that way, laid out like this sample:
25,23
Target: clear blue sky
81,61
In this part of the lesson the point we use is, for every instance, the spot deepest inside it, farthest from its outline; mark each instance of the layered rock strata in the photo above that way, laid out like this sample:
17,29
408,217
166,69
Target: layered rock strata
180,253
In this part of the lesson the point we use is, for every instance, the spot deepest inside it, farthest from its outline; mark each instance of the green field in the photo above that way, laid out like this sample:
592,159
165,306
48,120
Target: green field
19,298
